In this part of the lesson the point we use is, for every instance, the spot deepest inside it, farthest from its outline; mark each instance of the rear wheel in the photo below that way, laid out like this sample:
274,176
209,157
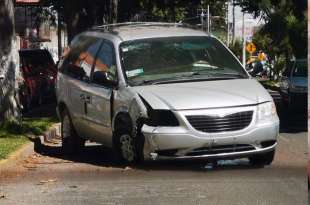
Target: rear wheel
263,159
71,142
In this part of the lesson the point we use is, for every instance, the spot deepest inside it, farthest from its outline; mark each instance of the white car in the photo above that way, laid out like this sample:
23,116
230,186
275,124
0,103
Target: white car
163,91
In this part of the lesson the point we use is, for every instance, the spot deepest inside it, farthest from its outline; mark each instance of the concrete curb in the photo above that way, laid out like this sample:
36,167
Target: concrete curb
52,134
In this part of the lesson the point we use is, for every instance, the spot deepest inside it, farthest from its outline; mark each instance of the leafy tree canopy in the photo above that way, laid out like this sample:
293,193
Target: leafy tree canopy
286,25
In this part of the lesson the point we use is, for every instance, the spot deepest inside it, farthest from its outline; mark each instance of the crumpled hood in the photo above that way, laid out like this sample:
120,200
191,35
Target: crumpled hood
205,94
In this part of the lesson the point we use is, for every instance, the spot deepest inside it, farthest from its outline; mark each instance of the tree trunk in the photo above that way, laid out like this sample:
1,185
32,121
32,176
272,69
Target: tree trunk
78,17
9,107
114,9
59,36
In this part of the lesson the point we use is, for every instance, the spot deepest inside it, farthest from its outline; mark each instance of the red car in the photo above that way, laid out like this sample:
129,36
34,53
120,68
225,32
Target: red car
39,73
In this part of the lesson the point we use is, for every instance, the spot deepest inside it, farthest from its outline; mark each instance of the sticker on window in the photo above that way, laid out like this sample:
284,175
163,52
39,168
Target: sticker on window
136,72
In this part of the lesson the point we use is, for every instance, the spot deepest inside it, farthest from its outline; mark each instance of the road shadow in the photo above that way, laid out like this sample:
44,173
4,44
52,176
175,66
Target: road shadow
98,155
45,110
292,121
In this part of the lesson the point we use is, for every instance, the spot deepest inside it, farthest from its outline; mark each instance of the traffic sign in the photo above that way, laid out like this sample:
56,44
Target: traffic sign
251,48
261,56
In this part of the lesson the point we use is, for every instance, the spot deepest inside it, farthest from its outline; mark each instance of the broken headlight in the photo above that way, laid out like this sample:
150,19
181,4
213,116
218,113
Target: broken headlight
161,118
158,117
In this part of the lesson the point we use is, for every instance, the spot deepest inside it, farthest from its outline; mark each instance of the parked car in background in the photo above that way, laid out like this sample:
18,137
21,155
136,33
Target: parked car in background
294,84
163,91
38,73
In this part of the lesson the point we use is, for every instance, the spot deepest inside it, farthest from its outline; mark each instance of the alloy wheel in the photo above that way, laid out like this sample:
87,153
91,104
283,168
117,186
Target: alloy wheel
127,149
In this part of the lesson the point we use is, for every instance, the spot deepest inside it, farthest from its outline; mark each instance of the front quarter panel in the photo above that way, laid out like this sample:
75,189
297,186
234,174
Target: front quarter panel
127,101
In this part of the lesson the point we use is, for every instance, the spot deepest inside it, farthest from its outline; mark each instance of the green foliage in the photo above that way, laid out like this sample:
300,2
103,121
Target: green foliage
279,64
285,31
13,133
236,48
10,144
90,13
34,126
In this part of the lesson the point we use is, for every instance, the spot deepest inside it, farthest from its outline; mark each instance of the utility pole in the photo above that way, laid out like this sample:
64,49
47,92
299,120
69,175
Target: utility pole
227,23
244,41
205,13
59,35
202,16
208,17
234,21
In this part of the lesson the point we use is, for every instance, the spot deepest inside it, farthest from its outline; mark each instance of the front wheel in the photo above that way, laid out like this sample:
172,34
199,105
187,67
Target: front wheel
262,159
71,142
127,147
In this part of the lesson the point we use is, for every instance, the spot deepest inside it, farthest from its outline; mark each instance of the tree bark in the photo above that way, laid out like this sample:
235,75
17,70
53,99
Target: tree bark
78,16
114,9
9,107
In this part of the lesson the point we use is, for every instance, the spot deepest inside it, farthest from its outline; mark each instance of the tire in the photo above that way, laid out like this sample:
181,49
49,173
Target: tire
127,147
262,159
71,142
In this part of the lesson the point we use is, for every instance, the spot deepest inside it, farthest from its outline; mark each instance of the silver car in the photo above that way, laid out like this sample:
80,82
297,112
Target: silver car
163,91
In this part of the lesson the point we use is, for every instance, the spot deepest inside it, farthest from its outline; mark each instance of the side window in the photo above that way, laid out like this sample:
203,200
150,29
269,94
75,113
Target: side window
88,56
80,59
105,65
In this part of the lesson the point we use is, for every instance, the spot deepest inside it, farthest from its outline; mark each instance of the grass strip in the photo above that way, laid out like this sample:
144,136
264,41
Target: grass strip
13,134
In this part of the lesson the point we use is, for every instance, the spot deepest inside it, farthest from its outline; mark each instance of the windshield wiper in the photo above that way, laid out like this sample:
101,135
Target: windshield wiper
189,78
176,78
181,80
232,75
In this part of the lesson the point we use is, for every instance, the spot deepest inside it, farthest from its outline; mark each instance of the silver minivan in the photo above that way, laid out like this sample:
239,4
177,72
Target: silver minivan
163,91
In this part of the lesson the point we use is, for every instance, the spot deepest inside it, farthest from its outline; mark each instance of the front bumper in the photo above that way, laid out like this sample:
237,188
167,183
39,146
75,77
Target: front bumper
184,142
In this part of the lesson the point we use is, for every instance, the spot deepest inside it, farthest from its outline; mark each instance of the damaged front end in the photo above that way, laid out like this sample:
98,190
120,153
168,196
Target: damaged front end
147,120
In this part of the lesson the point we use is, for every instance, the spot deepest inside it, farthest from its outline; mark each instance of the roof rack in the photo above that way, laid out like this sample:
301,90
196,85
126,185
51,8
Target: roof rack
109,27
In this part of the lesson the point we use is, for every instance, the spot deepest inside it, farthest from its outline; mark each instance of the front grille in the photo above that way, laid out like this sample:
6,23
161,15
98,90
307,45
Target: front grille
221,149
213,124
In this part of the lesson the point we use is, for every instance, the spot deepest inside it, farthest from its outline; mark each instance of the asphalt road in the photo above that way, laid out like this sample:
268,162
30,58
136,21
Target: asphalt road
94,178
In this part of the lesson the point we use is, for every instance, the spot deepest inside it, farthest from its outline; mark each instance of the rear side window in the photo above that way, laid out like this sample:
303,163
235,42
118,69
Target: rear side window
81,57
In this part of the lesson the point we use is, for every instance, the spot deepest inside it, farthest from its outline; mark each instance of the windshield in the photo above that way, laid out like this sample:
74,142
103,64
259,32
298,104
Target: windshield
178,58
300,69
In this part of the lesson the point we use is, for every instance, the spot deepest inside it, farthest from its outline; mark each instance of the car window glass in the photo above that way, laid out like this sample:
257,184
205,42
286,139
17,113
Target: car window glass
300,69
81,57
87,57
189,57
105,61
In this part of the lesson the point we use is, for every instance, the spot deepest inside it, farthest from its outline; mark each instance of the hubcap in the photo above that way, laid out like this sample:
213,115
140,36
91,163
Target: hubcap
127,147
65,127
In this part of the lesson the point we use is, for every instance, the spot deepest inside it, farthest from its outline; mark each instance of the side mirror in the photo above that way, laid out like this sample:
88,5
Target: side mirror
1,76
76,71
100,78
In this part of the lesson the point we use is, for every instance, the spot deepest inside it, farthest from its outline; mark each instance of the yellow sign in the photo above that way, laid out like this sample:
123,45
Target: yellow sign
261,56
251,48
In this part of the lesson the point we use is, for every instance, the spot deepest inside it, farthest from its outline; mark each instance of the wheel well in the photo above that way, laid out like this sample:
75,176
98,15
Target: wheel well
123,120
61,107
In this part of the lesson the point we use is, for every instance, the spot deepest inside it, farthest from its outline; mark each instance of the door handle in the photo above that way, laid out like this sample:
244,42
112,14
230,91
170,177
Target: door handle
82,97
88,99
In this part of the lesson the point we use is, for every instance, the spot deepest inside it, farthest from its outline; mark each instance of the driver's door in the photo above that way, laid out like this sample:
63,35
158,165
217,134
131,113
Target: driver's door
99,96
